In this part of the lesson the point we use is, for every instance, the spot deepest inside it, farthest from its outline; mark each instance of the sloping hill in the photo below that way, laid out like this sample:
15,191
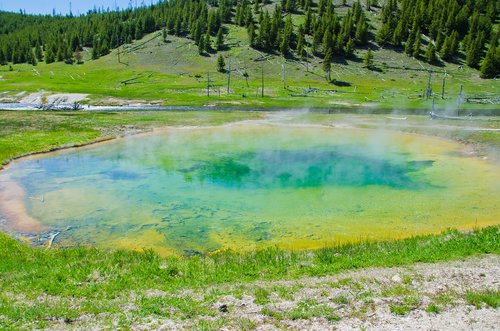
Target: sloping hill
172,72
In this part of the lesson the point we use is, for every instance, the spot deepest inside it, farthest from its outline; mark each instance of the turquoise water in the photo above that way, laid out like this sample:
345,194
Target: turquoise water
242,187
300,168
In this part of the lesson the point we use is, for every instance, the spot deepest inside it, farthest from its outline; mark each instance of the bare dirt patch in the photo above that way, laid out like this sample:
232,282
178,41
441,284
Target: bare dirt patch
66,98
42,97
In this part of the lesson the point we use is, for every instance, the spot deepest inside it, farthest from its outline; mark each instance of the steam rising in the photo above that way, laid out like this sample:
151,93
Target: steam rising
274,181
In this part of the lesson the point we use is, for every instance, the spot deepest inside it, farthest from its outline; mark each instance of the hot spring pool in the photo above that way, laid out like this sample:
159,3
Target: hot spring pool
243,187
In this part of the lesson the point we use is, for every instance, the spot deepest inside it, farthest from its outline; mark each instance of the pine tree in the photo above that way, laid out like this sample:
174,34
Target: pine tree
286,39
416,46
49,56
75,43
95,49
409,44
178,26
316,39
256,6
32,58
251,35
475,51
446,53
328,41
491,10
221,64
327,66
290,6
248,16
39,52
339,44
164,35
300,45
104,48
454,43
201,46
368,60
440,41
398,35
60,54
361,31
490,68
212,22
208,42
67,54
383,36
3,59
349,49
238,17
219,41
430,54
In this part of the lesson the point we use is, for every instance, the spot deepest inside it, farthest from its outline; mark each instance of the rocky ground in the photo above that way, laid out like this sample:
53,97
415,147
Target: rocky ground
458,295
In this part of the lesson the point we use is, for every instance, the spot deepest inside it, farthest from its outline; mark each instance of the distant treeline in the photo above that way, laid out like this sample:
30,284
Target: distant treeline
431,30
447,26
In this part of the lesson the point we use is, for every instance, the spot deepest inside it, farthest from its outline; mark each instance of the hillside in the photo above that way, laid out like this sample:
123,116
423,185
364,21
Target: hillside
165,66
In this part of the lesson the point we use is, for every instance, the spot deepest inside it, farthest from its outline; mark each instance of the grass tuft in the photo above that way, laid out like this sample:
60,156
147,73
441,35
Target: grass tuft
490,298
400,309
433,309
308,309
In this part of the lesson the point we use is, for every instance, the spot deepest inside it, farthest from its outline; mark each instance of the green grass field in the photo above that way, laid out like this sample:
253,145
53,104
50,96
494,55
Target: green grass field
40,287
173,73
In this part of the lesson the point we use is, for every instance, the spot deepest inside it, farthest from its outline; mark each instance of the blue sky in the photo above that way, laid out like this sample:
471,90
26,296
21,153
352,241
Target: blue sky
62,6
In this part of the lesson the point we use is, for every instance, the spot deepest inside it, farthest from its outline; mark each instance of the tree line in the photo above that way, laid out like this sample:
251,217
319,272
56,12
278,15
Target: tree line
431,30
446,26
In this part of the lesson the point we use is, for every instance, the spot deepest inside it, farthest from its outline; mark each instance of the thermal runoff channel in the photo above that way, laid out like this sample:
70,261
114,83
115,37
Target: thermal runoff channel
244,187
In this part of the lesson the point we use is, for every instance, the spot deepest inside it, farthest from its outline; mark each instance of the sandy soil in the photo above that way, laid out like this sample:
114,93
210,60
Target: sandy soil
13,208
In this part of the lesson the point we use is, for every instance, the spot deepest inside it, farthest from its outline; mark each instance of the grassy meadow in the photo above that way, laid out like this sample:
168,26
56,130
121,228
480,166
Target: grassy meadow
173,73
41,287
